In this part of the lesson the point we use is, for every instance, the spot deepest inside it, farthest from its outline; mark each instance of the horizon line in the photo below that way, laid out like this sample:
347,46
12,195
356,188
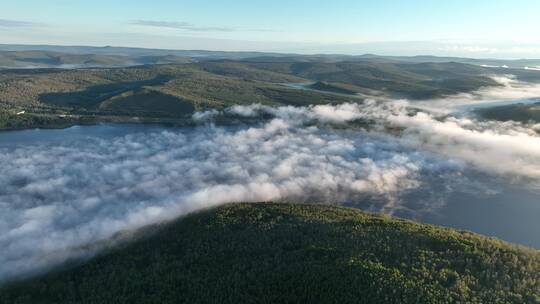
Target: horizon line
258,51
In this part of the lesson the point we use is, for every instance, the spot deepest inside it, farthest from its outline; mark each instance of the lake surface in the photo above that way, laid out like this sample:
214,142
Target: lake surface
451,195
22,138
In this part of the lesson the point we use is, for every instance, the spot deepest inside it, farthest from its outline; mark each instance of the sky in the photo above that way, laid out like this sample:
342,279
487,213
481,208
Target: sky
480,28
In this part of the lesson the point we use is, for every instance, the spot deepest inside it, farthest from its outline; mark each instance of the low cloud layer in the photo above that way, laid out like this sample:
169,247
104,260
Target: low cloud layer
492,146
57,198
509,90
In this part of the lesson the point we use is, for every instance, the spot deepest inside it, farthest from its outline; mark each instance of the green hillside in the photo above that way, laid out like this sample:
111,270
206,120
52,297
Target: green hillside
170,91
416,81
289,253
208,85
175,91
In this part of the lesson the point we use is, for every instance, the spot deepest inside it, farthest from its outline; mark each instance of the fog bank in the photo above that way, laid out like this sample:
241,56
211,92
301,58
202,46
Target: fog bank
56,198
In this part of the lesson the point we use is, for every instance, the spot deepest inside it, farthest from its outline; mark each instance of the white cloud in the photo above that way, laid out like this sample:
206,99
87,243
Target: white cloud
205,116
510,90
186,26
59,200
56,199
496,147
469,49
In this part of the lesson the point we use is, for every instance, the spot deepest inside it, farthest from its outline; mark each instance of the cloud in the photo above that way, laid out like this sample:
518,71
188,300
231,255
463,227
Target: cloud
205,116
60,200
181,26
56,199
533,68
513,50
501,148
491,146
470,49
340,113
510,90
16,23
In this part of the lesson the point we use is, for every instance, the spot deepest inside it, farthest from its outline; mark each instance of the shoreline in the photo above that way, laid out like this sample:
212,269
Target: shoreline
166,122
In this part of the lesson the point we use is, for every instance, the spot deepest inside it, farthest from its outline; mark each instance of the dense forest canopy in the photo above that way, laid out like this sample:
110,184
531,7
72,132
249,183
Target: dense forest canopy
269,253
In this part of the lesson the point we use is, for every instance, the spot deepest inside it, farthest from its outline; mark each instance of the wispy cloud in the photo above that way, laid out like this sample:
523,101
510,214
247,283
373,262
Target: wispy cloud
181,26
490,50
57,200
16,23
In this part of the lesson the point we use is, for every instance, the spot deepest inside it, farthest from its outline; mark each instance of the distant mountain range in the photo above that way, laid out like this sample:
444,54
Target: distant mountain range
47,56
18,56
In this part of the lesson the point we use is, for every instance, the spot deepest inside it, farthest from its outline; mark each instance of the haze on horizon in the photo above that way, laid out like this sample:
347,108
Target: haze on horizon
479,29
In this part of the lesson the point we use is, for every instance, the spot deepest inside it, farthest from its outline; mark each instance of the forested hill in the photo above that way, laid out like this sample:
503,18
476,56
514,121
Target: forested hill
276,253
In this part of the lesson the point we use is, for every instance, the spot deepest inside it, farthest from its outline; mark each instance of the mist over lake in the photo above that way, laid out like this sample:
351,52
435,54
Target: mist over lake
70,188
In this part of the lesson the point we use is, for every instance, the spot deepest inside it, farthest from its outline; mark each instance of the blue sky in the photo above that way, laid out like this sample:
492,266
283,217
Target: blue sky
479,28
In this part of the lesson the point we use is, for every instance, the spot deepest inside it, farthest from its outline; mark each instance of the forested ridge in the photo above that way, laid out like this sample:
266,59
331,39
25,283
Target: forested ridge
294,253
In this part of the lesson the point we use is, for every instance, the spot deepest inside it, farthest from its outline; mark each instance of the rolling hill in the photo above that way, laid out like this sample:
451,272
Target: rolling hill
409,80
49,59
58,97
203,55
176,90
204,86
294,253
